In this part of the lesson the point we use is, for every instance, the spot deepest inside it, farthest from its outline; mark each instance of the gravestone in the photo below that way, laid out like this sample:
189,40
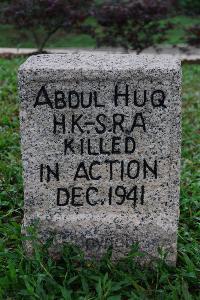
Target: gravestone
100,137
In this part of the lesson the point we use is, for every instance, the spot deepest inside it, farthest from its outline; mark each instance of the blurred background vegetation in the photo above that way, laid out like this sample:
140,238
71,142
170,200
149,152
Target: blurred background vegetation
78,23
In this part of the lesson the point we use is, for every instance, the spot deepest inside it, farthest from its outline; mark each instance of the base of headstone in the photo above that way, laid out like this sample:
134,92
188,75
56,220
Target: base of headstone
94,239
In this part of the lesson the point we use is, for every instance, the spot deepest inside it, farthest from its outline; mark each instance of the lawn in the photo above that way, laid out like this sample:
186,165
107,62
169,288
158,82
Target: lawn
72,277
10,37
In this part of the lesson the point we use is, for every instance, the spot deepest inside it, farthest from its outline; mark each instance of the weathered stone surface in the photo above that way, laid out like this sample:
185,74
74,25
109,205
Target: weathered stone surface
100,138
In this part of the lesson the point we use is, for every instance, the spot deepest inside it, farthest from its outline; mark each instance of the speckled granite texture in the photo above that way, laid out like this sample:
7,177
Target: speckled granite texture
100,137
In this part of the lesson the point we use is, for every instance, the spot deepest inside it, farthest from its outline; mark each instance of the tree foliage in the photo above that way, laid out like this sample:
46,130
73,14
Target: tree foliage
192,9
131,24
189,7
193,35
44,17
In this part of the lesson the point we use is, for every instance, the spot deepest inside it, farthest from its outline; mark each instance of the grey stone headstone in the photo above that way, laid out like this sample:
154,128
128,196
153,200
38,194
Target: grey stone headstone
100,138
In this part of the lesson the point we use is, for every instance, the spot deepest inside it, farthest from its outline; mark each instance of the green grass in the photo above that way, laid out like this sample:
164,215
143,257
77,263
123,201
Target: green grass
72,277
10,37
177,35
